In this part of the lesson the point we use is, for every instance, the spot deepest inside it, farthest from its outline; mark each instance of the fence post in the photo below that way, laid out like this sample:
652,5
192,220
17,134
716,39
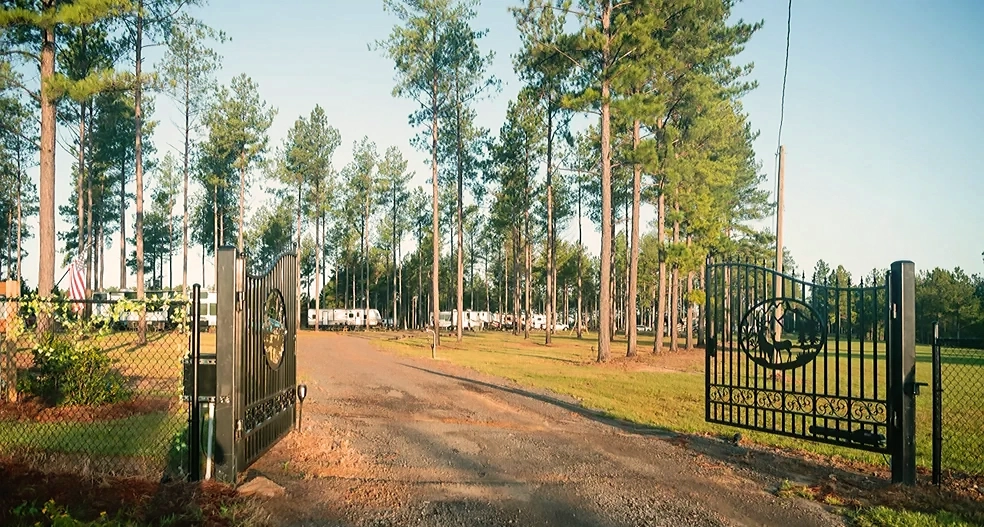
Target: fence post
937,408
226,358
195,416
902,372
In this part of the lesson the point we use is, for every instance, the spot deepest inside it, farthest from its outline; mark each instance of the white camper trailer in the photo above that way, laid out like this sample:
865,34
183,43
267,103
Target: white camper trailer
344,318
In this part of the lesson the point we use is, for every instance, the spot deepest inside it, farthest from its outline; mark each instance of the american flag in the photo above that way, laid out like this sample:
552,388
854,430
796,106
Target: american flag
76,288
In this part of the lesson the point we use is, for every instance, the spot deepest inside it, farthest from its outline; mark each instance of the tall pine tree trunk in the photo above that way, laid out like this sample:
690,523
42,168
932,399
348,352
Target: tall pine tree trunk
297,259
580,264
528,275
461,229
690,310
46,188
613,290
517,243
661,295
701,311
102,255
365,256
396,286
20,215
630,304
90,232
675,285
187,171
527,278
605,304
436,257
317,272
551,294
123,223
80,173
138,161
20,212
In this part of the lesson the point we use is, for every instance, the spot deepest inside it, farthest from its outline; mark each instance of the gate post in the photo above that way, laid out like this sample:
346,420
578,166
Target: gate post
226,365
937,407
902,372
194,416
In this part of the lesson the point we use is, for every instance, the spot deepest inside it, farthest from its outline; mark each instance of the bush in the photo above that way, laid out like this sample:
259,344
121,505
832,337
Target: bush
74,372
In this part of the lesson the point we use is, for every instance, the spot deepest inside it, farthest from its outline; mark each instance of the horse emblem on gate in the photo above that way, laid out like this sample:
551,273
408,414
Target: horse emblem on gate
782,333
274,328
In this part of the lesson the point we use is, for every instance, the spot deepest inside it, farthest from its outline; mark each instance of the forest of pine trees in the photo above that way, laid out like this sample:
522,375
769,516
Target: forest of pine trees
659,84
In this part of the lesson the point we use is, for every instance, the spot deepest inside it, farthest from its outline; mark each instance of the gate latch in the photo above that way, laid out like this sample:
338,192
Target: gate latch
916,385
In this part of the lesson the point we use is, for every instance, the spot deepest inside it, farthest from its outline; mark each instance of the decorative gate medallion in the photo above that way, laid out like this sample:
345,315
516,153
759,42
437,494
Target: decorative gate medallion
274,328
767,319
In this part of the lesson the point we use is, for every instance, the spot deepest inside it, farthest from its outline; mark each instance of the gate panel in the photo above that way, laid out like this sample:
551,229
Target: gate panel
269,373
256,367
797,358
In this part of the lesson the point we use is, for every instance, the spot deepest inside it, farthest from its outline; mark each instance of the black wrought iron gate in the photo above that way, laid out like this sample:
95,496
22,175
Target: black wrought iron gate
256,369
829,362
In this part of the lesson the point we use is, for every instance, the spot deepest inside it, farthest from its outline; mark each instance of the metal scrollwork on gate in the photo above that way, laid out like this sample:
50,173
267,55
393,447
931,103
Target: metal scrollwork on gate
274,328
782,333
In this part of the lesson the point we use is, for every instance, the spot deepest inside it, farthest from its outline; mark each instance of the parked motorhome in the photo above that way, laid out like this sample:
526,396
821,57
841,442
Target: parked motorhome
345,318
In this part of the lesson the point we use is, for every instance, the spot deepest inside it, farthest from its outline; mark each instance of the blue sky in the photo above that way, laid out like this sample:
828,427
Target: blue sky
882,116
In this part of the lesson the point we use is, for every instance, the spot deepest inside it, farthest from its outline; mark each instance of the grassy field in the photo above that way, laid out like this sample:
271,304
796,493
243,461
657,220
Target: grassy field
665,391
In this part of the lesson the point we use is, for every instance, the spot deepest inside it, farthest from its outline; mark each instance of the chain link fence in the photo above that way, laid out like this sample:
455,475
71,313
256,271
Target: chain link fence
958,409
94,387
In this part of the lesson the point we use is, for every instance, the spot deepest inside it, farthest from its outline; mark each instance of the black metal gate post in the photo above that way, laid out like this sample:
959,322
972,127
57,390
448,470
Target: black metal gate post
902,372
937,407
195,416
227,357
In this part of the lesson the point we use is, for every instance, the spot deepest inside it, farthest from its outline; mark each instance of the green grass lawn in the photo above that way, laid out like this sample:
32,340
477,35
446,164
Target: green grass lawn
667,391
138,435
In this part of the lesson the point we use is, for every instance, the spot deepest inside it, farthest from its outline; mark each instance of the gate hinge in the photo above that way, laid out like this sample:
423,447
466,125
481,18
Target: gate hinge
239,429
240,300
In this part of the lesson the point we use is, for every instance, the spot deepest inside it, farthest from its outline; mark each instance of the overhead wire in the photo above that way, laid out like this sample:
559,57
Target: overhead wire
782,105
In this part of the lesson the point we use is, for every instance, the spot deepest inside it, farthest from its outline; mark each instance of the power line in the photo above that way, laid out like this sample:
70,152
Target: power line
785,71
782,101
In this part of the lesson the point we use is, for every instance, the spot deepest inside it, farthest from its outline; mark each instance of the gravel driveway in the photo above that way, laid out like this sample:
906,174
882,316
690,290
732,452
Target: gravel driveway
389,440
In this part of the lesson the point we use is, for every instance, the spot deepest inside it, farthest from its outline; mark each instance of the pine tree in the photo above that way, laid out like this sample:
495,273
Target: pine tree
546,74
188,69
420,48
30,26
238,124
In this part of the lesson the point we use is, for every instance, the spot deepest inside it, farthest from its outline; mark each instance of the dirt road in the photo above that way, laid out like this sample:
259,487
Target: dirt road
395,441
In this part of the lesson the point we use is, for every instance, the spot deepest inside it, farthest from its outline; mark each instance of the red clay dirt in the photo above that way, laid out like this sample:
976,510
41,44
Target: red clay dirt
136,500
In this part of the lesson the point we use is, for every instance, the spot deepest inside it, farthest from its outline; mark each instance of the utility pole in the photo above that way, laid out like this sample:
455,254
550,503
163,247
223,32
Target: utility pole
779,289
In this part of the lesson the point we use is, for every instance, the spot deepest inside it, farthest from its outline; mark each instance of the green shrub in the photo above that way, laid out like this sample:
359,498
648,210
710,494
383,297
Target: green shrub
74,372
